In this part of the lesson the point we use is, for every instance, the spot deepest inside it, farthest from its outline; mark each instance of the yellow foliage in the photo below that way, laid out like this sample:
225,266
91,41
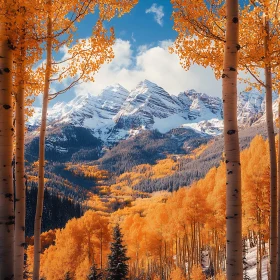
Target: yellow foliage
220,276
177,274
94,202
87,171
77,246
157,227
197,273
201,35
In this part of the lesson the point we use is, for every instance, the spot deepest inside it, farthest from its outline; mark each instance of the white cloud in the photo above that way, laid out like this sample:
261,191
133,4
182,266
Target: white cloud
155,64
158,13
133,38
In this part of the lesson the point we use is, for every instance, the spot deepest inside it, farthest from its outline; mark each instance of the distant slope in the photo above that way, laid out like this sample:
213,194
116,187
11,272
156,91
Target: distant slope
65,143
145,148
194,169
150,146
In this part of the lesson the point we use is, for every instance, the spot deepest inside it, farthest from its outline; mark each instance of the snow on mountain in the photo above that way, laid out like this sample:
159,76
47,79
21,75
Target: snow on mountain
251,107
146,106
200,106
89,111
116,113
211,127
262,116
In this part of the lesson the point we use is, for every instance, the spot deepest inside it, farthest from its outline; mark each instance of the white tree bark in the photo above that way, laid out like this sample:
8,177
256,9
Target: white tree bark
7,218
41,186
234,261
20,173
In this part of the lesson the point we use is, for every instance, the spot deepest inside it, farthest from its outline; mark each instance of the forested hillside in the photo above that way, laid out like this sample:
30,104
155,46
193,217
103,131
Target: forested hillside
145,148
167,231
58,210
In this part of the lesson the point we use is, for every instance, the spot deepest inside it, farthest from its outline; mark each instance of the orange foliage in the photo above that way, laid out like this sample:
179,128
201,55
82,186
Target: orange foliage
220,276
88,171
177,274
82,241
167,229
47,239
125,182
197,273
96,203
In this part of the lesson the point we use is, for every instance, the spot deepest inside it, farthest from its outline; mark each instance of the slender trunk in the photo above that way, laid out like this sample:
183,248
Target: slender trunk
101,250
20,173
278,191
176,250
6,157
272,155
260,265
259,248
41,186
234,266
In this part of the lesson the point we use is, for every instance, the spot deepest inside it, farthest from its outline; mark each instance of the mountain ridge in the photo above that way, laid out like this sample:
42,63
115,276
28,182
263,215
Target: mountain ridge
118,114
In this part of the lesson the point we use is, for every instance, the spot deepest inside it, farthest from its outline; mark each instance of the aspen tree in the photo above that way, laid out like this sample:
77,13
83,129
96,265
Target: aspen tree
278,195
24,58
40,196
20,176
206,22
201,33
6,152
13,69
26,53
85,60
272,150
234,260
262,51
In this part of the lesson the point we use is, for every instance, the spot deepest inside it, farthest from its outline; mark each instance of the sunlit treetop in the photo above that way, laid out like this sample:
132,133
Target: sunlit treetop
201,35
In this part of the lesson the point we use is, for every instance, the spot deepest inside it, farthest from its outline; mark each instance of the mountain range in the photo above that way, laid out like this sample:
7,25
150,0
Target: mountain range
118,130
118,114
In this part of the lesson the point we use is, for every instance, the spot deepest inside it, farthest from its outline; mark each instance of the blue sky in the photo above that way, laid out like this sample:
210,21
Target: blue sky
141,52
139,24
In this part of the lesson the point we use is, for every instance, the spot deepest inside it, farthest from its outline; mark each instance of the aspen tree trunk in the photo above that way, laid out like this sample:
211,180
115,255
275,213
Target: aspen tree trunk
259,249
278,192
41,186
20,174
234,265
101,250
260,245
6,157
272,156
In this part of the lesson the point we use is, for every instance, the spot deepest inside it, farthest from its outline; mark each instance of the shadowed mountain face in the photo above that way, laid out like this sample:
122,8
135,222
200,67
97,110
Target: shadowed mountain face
65,143
150,146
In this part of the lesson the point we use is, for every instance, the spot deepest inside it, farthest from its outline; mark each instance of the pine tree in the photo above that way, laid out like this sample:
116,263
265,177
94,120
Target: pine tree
117,266
94,273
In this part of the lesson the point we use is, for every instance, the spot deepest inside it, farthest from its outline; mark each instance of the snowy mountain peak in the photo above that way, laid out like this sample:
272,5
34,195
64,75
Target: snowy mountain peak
148,83
114,88
113,94
145,87
145,103
116,113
